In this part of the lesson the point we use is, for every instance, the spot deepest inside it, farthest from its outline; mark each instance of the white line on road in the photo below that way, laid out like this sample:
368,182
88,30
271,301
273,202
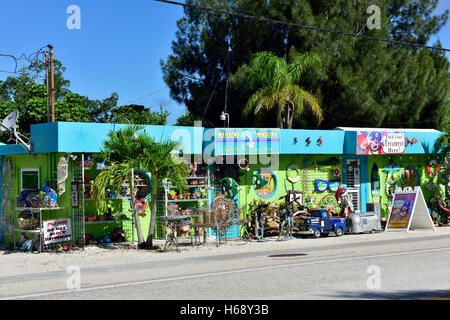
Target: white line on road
213,274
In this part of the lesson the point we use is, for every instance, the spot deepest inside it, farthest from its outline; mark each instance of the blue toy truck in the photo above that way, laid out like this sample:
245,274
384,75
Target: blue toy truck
321,224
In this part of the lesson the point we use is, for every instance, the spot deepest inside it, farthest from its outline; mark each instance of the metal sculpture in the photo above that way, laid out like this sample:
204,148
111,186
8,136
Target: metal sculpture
286,216
229,214
259,228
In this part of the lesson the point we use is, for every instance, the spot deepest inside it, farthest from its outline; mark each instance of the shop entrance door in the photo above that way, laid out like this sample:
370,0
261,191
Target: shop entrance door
354,183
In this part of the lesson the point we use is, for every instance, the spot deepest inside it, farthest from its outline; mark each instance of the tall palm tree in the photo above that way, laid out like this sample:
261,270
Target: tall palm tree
279,91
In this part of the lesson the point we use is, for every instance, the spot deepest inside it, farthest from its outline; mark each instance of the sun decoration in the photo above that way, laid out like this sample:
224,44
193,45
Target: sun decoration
230,212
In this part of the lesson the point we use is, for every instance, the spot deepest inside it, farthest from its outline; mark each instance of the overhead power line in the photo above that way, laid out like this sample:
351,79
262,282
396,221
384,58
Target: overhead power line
148,95
32,58
303,26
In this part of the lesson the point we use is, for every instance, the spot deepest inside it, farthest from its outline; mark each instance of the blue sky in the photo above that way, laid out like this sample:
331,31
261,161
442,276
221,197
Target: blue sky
118,48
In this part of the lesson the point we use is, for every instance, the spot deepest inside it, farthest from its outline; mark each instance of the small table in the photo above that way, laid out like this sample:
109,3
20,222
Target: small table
174,222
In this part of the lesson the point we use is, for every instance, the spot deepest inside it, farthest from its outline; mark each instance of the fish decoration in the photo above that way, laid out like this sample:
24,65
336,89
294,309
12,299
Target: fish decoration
258,181
308,141
412,142
320,142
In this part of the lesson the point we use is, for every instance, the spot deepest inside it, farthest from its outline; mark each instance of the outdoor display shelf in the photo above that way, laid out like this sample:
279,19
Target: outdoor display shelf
38,230
197,194
99,226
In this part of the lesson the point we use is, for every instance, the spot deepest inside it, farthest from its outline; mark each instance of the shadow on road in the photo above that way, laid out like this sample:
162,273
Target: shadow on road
400,295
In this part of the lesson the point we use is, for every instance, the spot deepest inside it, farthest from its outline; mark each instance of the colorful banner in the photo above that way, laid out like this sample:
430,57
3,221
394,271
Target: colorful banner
402,209
247,141
380,142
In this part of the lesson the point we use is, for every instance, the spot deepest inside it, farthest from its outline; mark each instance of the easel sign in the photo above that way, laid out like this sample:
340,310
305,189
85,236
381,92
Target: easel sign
409,210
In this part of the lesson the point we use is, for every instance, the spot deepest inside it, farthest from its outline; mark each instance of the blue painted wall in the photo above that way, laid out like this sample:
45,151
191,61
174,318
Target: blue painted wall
89,137
12,149
333,141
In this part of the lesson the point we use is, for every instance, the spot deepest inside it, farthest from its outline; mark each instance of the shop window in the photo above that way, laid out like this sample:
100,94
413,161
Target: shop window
30,179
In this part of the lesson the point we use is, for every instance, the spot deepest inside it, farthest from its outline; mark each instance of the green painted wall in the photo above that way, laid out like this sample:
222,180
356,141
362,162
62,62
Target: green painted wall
47,164
419,162
306,183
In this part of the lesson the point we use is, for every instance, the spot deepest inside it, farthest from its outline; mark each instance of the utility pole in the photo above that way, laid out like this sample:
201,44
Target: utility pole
52,82
47,81
227,83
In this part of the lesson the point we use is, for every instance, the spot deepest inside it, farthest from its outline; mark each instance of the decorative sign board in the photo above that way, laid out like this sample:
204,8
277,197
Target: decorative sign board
56,231
267,186
409,210
380,142
246,141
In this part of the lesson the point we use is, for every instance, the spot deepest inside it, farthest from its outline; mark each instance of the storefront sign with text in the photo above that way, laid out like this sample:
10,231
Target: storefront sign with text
56,231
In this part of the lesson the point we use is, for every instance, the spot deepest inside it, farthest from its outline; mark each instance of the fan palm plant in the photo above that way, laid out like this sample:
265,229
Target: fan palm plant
161,160
278,91
123,148
129,149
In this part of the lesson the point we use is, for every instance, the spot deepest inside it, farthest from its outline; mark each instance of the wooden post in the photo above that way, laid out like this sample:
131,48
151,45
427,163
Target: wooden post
52,82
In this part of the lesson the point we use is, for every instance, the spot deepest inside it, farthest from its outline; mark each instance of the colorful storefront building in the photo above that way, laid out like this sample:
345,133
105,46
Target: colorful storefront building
266,163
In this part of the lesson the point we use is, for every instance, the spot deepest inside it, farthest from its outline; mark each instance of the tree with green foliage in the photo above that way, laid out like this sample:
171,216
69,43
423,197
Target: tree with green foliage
362,82
27,94
139,114
442,145
275,81
129,149
188,120
123,149
162,161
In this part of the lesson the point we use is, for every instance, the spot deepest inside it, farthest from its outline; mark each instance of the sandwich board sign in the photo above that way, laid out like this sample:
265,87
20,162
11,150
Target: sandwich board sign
409,211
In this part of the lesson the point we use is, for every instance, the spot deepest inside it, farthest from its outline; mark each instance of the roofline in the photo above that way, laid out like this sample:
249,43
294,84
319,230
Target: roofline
385,129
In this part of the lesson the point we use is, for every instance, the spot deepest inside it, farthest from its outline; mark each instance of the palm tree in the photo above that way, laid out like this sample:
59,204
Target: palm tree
129,149
278,90
161,160
123,148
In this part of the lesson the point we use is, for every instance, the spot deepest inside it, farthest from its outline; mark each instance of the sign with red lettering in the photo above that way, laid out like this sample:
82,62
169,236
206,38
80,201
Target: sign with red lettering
56,231
409,210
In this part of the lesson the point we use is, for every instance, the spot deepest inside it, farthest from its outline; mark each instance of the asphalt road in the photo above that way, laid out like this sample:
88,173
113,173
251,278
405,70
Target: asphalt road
405,267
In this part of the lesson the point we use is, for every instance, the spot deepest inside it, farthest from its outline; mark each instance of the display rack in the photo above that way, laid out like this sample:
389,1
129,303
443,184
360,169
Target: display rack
93,221
38,230
187,200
